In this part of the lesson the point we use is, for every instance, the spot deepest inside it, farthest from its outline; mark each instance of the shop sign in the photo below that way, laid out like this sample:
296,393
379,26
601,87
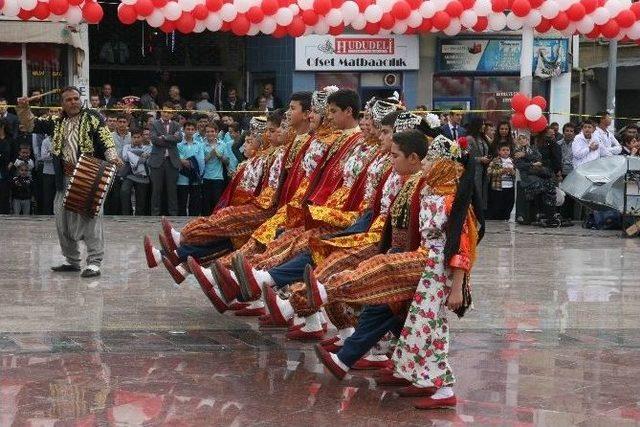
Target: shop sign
550,56
356,53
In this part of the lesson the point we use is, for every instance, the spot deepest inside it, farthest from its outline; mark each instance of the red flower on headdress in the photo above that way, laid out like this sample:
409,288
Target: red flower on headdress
463,142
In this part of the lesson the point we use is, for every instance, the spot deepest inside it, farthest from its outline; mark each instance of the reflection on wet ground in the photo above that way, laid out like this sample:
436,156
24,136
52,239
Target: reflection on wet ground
554,340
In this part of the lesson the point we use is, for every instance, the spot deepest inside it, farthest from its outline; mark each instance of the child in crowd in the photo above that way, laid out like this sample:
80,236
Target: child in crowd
630,146
21,190
135,155
502,174
24,158
192,157
213,178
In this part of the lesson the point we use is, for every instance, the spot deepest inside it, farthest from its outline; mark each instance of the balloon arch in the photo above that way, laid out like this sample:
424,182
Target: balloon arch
611,19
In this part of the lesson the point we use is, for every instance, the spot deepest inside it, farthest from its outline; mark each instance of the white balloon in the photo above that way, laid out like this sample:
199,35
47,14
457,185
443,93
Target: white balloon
228,12
73,15
305,4
385,5
626,4
242,5
349,11
294,8
172,11
415,19
427,9
187,5
468,18
253,30
321,27
601,16
533,19
129,2
570,30
334,17
373,13
400,27
214,22
454,27
268,25
482,7
199,27
613,6
284,16
514,22
634,31
585,25
440,4
497,21
359,23
550,9
533,112
28,4
564,4
156,19
11,8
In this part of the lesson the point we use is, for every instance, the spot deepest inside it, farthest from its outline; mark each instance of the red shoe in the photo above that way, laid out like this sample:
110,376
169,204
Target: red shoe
300,335
265,318
329,341
227,284
390,380
251,312
173,271
385,371
166,229
413,391
327,360
313,294
296,327
171,255
152,262
248,284
235,306
431,403
333,348
206,285
369,365
270,299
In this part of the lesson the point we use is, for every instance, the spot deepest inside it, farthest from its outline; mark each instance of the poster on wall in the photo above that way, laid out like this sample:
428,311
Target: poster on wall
550,56
357,53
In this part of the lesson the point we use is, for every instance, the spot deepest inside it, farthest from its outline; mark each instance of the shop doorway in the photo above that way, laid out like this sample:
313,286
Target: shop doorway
10,79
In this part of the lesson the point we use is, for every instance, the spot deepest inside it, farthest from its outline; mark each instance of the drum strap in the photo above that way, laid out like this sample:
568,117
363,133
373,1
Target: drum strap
94,189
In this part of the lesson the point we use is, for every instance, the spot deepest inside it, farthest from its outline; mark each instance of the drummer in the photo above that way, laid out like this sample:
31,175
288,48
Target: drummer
76,131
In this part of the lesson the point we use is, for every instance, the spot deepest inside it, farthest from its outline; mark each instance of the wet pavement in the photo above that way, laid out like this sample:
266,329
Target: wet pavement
554,340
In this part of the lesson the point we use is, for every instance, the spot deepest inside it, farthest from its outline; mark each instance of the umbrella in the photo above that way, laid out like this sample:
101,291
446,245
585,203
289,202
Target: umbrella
600,184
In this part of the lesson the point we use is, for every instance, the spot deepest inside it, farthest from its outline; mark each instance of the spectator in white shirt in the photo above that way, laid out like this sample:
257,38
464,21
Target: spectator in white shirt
48,177
586,147
606,138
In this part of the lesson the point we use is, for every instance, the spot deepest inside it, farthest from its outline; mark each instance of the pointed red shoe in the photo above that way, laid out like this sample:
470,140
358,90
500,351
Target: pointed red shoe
173,271
329,341
431,403
148,253
390,380
333,348
300,335
235,306
227,284
270,299
296,327
413,391
369,365
327,360
166,229
268,322
248,284
313,293
171,255
206,285
251,312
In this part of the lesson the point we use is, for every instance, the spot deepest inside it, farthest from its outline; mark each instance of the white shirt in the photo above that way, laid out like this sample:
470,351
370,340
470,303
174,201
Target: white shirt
607,139
507,179
581,152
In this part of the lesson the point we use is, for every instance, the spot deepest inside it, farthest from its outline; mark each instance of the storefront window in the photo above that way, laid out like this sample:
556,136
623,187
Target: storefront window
451,87
46,67
493,95
342,80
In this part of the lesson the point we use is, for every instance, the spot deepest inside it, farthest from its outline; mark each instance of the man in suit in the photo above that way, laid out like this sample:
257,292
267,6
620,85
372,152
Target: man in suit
107,100
234,103
11,119
453,129
164,162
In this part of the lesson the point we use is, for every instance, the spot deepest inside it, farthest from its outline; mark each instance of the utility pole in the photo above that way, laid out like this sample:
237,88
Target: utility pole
611,80
526,61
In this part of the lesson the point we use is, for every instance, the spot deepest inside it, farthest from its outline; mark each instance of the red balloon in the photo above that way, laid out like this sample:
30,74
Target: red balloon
161,3
426,26
75,2
576,12
309,17
363,4
540,102
372,28
401,10
186,23
521,8
454,9
519,121
544,25
441,20
387,22
321,7
283,3
226,26
91,12
60,7
519,102
589,5
601,3
144,7
414,4
610,29
336,4
279,32
561,21
539,125
467,4
241,25
626,18
25,15
595,33
270,7
200,12
482,24
535,3
255,15
168,26
126,13
297,27
499,5
214,5
337,30
41,12
635,8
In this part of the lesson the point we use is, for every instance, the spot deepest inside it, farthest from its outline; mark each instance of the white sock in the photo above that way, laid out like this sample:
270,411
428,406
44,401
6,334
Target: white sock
323,318
443,392
93,267
338,362
175,235
323,293
256,304
182,270
262,277
297,320
210,277
376,357
286,309
233,276
312,323
156,255
345,333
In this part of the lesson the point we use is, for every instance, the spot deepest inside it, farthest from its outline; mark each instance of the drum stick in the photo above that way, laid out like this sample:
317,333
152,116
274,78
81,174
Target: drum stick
42,95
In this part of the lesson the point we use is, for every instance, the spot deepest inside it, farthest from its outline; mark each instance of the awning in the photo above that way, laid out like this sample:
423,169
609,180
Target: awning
38,32
622,62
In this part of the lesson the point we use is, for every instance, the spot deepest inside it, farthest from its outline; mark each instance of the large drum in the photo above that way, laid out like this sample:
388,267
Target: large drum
89,186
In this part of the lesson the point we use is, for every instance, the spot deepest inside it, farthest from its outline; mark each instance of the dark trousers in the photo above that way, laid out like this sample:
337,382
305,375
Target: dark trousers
212,189
142,197
48,193
202,251
374,322
112,202
501,203
189,198
5,196
164,177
